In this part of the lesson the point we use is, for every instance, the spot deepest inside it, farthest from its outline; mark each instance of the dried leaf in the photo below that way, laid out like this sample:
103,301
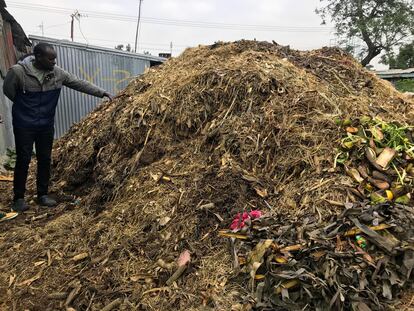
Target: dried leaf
386,157
352,130
356,231
261,192
354,174
286,285
11,279
164,220
39,263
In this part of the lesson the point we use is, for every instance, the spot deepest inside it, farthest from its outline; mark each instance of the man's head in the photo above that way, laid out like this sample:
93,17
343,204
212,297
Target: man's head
45,56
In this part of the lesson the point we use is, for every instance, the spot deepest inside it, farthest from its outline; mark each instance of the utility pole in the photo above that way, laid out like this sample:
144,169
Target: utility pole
71,25
171,46
74,15
139,19
42,28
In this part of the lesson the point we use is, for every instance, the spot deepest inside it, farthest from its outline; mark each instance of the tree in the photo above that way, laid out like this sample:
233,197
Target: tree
381,24
403,60
119,47
128,47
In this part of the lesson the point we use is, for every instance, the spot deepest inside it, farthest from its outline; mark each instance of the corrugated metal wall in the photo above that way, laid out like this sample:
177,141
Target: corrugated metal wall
6,129
7,59
108,68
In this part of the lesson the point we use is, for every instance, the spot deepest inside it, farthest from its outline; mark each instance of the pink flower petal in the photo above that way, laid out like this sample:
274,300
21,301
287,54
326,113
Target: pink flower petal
255,214
184,258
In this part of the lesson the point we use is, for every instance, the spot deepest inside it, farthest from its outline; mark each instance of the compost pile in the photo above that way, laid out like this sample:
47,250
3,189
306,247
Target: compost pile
157,173
328,269
355,260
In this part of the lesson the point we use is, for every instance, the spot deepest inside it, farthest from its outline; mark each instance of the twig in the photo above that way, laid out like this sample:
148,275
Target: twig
153,290
116,303
72,295
90,301
228,110
176,275
57,295
340,81
323,183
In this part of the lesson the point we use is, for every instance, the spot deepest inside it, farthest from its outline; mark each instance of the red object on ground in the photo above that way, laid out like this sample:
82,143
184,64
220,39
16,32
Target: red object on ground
239,220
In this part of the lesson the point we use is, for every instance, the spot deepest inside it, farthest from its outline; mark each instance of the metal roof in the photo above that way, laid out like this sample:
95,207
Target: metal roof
96,48
396,73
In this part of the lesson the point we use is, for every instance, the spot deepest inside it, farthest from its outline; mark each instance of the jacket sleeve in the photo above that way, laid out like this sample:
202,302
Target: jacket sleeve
11,84
83,86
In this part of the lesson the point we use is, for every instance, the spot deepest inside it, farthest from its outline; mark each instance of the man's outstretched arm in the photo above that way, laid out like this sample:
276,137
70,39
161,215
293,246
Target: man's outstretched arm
83,86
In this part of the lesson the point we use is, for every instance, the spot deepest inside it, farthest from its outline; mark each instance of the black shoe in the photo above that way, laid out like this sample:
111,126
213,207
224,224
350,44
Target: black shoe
20,206
45,200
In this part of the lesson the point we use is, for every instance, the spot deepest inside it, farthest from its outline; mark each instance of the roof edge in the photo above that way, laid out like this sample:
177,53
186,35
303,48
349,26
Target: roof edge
95,47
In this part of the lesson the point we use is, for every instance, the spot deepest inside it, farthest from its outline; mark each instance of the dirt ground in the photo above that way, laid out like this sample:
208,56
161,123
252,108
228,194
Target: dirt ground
36,215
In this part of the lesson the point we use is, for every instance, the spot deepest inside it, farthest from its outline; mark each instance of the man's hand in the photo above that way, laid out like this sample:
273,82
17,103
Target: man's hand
109,96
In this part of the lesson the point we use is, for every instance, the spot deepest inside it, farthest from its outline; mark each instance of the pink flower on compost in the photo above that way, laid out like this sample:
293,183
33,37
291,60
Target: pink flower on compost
255,214
184,258
239,220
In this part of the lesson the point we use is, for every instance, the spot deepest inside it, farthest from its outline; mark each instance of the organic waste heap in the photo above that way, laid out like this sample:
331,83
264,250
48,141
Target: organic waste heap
164,168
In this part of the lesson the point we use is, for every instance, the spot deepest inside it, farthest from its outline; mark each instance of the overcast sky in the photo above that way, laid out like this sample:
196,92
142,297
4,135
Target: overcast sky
182,22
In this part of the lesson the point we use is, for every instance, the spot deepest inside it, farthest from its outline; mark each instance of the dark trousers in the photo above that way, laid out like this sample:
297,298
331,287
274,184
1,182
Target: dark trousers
24,140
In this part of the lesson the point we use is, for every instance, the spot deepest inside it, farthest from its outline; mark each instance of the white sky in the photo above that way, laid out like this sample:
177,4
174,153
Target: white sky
288,22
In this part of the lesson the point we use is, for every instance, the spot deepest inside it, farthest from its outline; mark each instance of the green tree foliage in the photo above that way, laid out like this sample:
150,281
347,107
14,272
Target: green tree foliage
403,60
381,24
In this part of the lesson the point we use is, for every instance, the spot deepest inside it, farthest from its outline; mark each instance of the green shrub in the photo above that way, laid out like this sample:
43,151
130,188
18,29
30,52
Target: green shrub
406,85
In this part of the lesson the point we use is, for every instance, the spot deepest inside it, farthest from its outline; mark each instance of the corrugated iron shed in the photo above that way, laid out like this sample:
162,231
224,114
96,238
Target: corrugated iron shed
396,73
13,44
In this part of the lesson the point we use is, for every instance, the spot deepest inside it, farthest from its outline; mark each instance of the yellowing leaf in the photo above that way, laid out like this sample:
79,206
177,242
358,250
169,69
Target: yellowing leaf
261,192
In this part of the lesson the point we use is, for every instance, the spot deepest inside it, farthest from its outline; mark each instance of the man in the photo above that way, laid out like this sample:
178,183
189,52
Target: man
33,85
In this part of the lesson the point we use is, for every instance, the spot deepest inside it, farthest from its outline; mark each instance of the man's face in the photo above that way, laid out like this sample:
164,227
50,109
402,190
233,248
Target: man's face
47,60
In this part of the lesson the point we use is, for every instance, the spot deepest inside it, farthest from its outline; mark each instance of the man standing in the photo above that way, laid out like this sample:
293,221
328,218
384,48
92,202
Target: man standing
34,85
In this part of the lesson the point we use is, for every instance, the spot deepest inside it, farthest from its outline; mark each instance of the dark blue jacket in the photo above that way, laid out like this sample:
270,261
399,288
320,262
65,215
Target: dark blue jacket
34,103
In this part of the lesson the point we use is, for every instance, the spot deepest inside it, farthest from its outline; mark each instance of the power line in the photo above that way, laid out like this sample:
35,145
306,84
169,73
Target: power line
58,25
80,29
173,22
144,46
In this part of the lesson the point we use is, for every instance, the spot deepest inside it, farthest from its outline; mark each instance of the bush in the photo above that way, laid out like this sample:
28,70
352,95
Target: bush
406,85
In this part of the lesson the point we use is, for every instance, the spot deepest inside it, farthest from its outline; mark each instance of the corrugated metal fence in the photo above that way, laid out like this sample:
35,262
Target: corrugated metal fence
110,69
7,59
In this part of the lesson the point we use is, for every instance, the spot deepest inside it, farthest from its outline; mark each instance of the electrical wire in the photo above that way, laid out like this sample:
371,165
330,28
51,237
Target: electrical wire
142,45
173,22
80,29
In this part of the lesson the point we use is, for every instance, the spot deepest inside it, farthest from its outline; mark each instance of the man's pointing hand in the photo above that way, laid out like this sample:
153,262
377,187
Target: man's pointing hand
110,97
